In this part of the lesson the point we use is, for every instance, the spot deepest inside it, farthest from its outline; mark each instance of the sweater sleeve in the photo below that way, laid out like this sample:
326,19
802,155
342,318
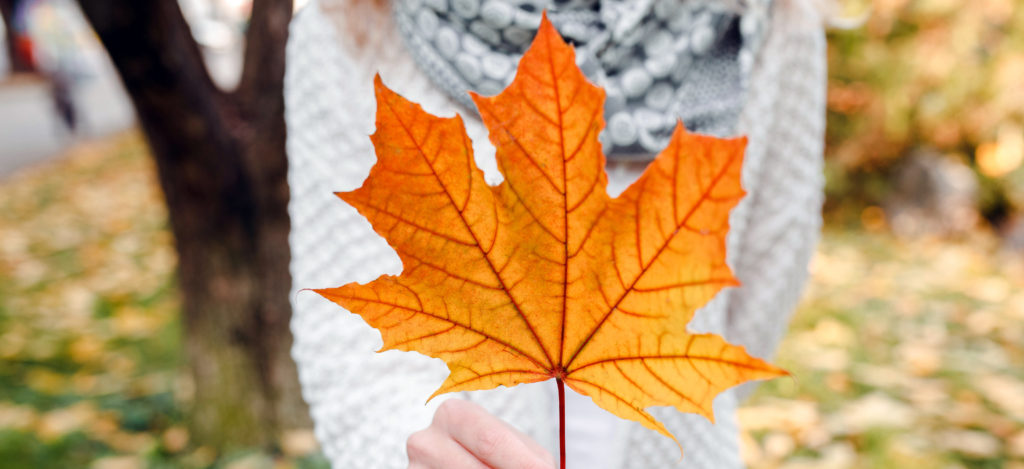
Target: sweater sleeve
778,224
331,245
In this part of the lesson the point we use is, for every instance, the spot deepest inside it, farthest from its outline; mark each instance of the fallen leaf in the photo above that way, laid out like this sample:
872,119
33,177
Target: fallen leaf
545,276
1004,391
118,462
920,359
1015,445
835,456
59,422
299,442
251,461
790,415
778,445
131,442
16,417
972,443
831,332
175,439
86,348
875,410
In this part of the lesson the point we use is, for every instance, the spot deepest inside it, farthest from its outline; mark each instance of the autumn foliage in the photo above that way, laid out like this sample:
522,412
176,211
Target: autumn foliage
546,276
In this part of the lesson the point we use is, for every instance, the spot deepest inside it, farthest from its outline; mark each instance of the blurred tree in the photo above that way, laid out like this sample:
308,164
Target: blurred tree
16,57
221,162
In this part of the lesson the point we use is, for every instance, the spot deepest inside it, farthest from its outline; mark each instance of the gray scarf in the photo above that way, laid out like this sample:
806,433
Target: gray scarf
658,60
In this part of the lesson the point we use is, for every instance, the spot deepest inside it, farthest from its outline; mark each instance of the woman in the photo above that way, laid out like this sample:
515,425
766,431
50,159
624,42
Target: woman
745,67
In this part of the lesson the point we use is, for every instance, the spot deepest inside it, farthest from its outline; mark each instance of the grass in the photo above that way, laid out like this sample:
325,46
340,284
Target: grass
91,365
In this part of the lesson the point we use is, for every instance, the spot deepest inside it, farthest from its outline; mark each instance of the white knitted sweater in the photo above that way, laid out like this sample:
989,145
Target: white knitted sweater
366,404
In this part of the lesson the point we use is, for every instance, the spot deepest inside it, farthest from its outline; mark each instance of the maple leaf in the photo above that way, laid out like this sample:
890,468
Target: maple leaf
546,276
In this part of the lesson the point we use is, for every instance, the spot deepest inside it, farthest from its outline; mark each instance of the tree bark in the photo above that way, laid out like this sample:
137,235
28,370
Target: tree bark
17,61
221,162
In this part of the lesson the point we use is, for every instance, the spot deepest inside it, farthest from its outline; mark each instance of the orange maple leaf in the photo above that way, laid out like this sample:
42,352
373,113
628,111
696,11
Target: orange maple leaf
546,276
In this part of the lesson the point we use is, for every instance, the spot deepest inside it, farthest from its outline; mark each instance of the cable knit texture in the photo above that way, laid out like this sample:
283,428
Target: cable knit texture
366,404
657,61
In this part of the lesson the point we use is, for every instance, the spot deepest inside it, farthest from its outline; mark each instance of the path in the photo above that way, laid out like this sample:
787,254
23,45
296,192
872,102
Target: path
30,129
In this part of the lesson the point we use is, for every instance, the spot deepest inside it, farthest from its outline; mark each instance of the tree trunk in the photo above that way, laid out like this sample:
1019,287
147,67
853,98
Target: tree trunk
19,63
221,163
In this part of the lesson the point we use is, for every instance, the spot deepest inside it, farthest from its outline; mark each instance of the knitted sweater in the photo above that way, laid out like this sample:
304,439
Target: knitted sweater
365,404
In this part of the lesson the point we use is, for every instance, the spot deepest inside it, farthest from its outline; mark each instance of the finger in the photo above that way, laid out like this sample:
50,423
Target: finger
433,449
492,441
532,444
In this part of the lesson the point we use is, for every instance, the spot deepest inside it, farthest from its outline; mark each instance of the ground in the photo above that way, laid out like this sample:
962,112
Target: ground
903,353
91,368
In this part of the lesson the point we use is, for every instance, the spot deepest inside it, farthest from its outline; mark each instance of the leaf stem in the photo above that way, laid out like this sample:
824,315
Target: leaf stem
561,421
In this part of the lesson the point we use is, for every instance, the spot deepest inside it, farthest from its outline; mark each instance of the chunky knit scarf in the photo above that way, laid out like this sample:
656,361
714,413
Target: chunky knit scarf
658,60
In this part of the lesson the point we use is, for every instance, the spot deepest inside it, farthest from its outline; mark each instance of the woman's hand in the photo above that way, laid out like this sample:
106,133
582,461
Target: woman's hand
464,436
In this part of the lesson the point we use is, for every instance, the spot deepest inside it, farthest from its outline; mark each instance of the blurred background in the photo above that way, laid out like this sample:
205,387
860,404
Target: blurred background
907,350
